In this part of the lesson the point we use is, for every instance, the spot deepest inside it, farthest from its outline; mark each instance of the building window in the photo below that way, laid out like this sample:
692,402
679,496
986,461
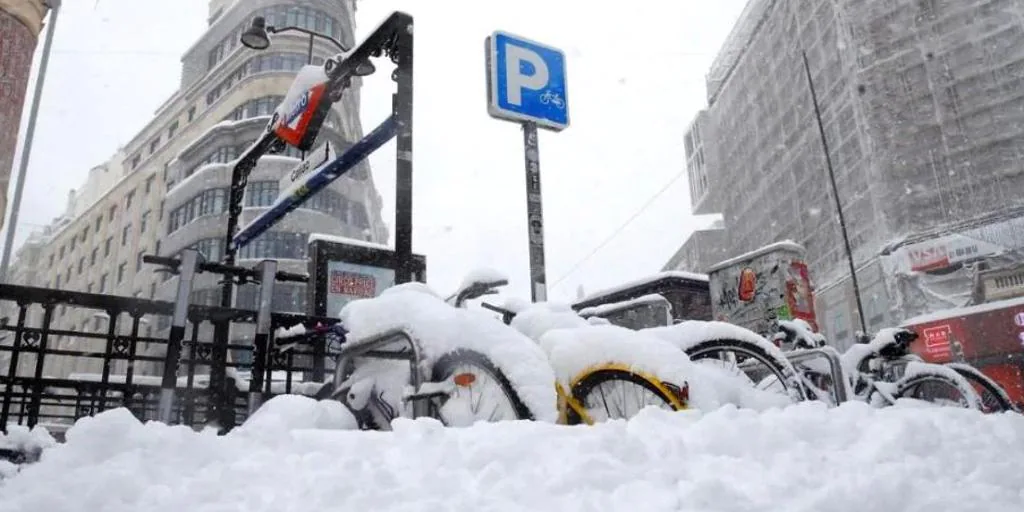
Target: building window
138,260
152,290
106,246
92,257
359,217
222,154
81,264
275,244
128,199
210,248
71,244
103,283
153,145
120,272
257,107
144,221
172,129
51,261
56,283
156,248
61,252
149,184
99,223
279,16
261,193
111,213
260,63
88,288
125,233
191,113
135,161
207,202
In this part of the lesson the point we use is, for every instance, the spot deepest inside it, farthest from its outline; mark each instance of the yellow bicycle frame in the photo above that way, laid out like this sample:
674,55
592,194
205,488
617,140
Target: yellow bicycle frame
567,401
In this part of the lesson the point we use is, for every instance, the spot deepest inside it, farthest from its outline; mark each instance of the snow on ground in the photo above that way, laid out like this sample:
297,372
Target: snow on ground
441,329
803,458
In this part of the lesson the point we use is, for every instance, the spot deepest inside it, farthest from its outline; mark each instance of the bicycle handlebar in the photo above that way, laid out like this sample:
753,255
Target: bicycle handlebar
220,268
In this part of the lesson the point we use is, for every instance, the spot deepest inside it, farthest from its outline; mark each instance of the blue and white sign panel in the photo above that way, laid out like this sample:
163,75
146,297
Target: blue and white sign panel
526,82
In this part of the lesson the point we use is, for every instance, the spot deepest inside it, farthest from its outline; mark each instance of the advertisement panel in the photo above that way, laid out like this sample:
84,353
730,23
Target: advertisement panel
348,281
344,269
756,289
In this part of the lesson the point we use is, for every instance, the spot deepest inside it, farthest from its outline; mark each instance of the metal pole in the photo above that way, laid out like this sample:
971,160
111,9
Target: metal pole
534,214
30,132
169,382
835,194
309,62
261,347
402,110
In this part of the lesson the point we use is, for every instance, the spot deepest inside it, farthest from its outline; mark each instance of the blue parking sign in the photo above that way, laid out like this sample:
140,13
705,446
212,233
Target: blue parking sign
526,82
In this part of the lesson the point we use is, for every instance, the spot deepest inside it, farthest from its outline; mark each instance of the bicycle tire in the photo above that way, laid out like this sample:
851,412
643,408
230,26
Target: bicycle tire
779,366
584,385
445,366
975,376
906,384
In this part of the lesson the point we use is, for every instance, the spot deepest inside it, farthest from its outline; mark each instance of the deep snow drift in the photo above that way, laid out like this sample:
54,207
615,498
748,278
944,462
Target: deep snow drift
803,458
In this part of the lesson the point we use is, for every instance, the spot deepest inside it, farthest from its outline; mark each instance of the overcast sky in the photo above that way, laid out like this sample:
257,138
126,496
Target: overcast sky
636,79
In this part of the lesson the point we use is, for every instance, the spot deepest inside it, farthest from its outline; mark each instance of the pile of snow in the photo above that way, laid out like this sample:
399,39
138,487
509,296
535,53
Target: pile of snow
441,329
804,458
21,443
285,413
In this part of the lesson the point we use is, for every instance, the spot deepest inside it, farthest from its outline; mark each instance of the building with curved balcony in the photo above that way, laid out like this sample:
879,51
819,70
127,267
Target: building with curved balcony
166,190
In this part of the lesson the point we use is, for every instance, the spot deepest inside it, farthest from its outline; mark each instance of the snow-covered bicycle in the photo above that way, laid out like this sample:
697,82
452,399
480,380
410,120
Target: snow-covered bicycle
601,373
408,354
882,370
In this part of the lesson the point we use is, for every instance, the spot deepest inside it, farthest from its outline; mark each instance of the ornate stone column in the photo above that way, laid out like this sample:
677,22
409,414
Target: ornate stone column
20,24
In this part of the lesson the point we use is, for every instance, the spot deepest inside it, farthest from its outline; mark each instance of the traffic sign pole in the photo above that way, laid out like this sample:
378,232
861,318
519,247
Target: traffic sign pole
534,214
526,84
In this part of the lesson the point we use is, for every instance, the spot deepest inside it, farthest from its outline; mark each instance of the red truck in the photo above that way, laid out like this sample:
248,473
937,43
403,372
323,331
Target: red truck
988,336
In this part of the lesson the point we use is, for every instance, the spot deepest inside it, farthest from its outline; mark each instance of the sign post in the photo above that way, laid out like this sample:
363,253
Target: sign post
526,83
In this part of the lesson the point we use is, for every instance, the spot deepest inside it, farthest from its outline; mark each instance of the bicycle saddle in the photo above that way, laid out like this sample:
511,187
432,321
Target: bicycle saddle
897,344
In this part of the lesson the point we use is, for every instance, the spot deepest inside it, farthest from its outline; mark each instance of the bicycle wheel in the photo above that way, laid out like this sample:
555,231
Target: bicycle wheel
481,392
993,397
938,388
757,360
616,392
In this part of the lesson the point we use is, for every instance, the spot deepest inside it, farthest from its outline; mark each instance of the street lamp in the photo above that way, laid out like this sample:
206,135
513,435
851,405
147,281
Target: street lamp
30,133
257,37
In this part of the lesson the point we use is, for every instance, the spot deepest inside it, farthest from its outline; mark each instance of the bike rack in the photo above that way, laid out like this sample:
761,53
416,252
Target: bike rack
840,386
267,269
370,347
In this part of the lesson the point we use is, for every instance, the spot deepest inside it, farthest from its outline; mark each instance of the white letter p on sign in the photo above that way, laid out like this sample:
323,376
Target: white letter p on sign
514,56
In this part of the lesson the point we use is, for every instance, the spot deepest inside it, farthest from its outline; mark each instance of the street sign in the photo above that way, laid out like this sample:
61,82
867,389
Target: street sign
316,158
526,82
314,181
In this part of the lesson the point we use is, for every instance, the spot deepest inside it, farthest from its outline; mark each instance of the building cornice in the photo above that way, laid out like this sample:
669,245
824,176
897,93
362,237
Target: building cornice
29,12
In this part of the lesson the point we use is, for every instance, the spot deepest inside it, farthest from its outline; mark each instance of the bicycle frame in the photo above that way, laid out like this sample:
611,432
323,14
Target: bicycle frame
370,347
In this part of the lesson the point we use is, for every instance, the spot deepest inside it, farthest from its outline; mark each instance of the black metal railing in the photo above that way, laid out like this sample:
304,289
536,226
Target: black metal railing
68,354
